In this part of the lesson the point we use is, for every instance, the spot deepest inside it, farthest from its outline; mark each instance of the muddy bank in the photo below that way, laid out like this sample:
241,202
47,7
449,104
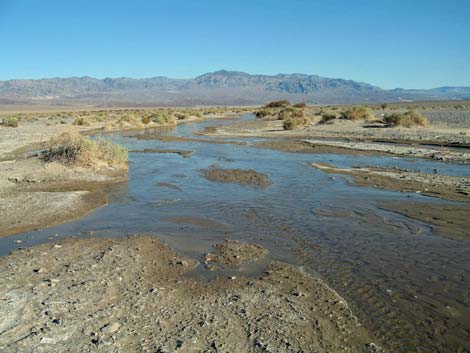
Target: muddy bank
392,149
182,153
452,221
244,177
131,294
233,253
166,138
35,194
298,146
435,185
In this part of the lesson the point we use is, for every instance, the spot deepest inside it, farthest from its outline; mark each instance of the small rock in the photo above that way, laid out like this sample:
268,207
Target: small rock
110,329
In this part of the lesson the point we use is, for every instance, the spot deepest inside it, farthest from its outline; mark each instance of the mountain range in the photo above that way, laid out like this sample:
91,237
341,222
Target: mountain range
215,88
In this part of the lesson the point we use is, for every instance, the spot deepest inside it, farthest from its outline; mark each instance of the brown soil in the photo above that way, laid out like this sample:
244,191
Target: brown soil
183,153
452,221
132,295
233,254
435,185
245,177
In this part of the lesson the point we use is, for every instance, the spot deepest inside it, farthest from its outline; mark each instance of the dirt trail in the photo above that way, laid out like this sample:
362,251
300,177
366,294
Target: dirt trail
131,294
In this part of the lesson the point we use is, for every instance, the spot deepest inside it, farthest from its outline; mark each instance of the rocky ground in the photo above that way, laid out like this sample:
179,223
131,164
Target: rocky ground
134,294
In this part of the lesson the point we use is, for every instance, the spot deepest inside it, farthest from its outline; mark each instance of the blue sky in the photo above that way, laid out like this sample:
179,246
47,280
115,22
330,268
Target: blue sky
389,43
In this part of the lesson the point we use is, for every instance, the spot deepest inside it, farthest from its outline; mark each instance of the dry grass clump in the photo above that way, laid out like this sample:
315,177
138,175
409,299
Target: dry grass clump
411,118
73,149
358,113
10,121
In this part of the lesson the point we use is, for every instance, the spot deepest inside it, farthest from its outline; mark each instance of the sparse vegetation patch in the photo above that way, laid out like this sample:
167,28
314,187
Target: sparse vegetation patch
358,113
73,149
411,118
10,121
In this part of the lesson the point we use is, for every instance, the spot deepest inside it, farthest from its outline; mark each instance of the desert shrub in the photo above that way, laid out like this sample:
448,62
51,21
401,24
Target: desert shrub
411,118
278,104
293,122
146,119
162,117
300,105
384,106
10,121
195,112
358,113
261,113
327,118
293,118
81,121
130,121
73,149
181,115
290,112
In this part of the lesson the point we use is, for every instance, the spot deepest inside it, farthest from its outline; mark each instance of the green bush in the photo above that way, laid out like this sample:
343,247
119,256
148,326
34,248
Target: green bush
358,113
300,105
411,118
10,121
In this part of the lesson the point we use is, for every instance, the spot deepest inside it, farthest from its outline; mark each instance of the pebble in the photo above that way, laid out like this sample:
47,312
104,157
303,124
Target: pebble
109,329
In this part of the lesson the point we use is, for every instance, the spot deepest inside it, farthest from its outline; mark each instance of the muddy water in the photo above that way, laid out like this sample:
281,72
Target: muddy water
410,287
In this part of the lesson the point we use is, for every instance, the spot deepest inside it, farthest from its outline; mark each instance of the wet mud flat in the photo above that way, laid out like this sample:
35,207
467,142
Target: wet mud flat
248,177
436,185
133,294
299,146
182,153
448,220
233,253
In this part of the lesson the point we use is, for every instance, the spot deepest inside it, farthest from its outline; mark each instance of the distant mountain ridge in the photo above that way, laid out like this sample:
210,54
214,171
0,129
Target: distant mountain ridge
220,87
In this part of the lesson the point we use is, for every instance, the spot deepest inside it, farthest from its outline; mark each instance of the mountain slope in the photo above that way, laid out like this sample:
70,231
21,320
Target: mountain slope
220,87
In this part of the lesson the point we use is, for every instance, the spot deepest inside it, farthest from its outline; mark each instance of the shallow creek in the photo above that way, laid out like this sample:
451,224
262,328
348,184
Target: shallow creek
410,287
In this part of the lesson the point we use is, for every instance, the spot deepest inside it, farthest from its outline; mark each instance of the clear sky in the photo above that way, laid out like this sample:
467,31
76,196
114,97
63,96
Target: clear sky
389,43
